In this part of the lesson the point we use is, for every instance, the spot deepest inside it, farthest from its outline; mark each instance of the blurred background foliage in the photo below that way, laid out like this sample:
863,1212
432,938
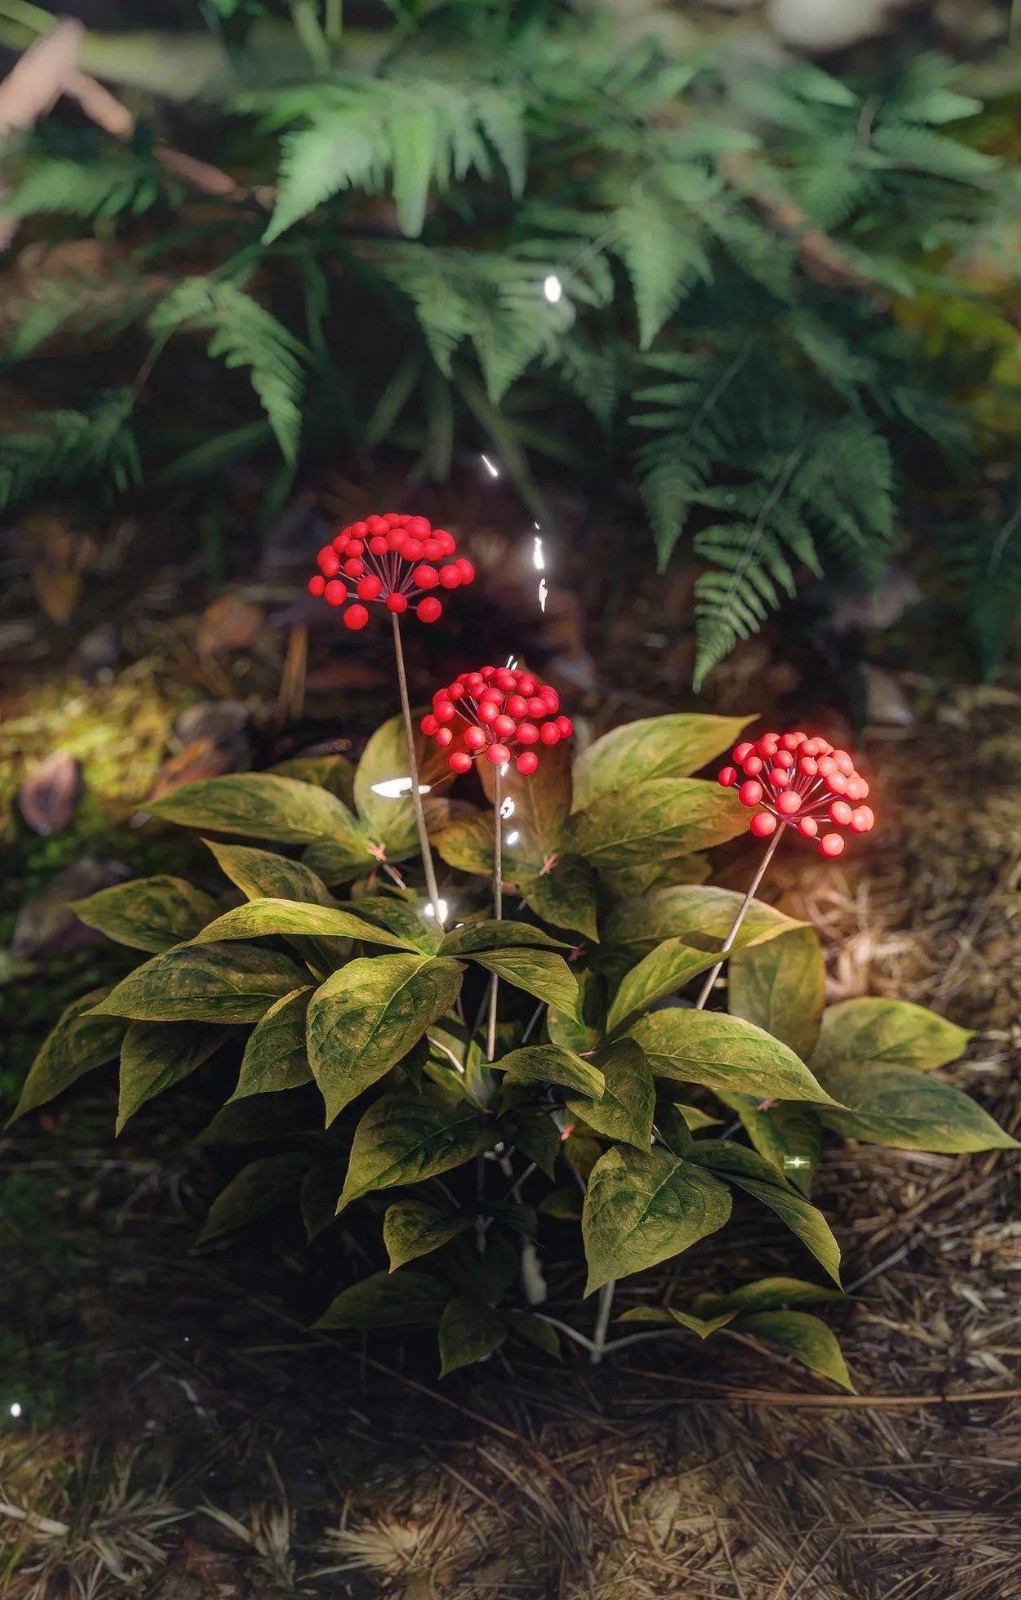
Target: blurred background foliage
743,272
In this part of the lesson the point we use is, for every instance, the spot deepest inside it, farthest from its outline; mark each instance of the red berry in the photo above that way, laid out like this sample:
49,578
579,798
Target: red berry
396,540
549,733
493,695
475,683
429,610
444,737
378,545
536,707
857,788
831,844
763,824
394,519
552,699
475,738
863,820
425,576
358,530
369,588
827,765
487,712
432,549
779,778
377,525
790,741
836,783
783,759
460,761
808,765
498,755
728,777
355,617
526,683
789,802
327,553
444,710
503,677
844,762
354,568
742,751
330,564
466,569
450,577
566,727
316,585
504,727
768,745
420,527
411,550
517,706
335,592
355,547
840,812
527,763
429,725
752,766
445,540
528,733
340,543
750,793
397,603
808,826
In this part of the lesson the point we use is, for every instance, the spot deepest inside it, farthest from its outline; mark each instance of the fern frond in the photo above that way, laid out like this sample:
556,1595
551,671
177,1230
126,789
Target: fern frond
244,334
118,181
79,305
58,449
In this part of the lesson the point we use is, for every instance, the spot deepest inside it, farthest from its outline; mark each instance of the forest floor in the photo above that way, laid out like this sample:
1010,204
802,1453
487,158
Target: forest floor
167,1429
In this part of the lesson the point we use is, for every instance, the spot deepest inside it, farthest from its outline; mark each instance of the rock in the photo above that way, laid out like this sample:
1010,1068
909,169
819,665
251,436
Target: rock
819,26
885,701
222,722
46,925
49,796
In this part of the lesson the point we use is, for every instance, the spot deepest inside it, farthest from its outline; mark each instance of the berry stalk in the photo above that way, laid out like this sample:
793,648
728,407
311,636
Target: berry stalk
416,798
735,928
497,906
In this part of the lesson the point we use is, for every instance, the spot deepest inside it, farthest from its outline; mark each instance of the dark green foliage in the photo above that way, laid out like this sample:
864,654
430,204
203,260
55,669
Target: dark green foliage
729,243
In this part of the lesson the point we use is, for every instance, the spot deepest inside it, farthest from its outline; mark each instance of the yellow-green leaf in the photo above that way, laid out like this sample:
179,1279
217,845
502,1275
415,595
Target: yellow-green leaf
673,746
258,805
537,972
660,818
787,1133
804,1337
276,1056
404,1300
565,896
204,983
551,1063
781,986
892,1032
369,1014
542,804
391,821
260,1187
908,1109
723,1053
261,875
756,1177
405,1138
469,1331
625,1108
475,936
697,914
156,1055
261,918
80,1042
413,1228
148,913
643,1207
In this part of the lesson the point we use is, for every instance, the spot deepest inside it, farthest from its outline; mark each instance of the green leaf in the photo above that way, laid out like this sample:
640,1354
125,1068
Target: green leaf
535,1134
723,1053
404,1300
276,1056
582,1031
550,1063
788,1134
470,1330
891,1032
563,1204
467,845
391,822
669,1317
404,1138
413,1228
664,971
335,773
644,1207
537,1332
805,1338
148,913
261,875
566,895
756,1177
209,983
775,1294
657,747
538,972
903,1107
542,804
698,914
264,1118
261,918
156,1055
80,1042
415,931
257,805
369,1014
649,821
475,936
259,1188
625,1108
781,986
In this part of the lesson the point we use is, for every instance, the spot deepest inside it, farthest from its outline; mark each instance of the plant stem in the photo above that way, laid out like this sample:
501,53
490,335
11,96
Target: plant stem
603,1320
416,798
334,21
309,31
707,987
497,906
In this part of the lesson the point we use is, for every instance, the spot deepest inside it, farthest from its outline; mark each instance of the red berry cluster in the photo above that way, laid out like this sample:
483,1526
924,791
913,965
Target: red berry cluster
391,559
495,712
801,782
